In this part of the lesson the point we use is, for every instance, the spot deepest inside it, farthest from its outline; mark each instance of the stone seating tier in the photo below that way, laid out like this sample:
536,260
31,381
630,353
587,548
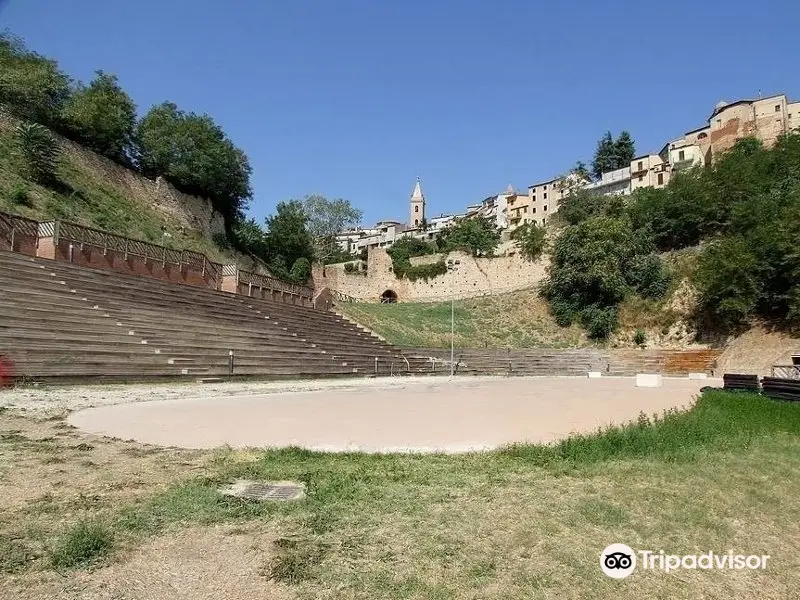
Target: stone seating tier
63,322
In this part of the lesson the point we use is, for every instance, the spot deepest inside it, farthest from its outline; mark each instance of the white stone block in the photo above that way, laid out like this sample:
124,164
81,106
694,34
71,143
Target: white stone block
698,376
595,374
648,380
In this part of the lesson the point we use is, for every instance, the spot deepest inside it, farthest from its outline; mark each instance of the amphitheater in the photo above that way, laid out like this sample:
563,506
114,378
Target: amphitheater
80,306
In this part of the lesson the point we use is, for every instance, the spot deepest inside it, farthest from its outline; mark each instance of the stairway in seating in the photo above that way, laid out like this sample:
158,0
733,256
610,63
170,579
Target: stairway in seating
502,361
64,322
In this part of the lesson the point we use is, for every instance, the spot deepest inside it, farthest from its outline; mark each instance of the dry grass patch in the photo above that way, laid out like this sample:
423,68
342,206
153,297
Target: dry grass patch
516,320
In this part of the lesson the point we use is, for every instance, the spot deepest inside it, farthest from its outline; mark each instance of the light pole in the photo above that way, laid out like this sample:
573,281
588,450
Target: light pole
452,267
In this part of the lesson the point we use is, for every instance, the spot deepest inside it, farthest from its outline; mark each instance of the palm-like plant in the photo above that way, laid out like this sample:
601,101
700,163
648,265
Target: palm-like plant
38,152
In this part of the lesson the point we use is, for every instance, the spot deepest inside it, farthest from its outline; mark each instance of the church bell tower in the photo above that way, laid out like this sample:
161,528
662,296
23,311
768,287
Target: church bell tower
417,214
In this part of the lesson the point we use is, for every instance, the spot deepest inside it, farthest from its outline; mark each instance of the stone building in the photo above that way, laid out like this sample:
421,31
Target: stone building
649,170
613,183
765,118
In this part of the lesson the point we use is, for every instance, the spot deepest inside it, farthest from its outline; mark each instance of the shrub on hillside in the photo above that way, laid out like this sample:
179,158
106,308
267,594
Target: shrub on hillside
301,270
595,266
531,239
37,151
477,235
20,194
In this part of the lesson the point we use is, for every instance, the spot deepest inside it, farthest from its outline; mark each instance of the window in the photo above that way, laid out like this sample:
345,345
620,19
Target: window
545,186
544,221
640,165
545,195
534,197
641,177
719,121
416,208
777,108
702,136
534,210
416,222
660,179
545,208
681,155
526,210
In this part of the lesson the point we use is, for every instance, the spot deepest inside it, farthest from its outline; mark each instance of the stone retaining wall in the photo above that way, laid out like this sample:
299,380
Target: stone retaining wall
472,277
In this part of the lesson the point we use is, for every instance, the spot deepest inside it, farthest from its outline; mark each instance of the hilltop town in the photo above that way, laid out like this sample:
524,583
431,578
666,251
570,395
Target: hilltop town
766,119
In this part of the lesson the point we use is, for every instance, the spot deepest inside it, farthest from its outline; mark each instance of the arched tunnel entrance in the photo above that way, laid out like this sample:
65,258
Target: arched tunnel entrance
388,297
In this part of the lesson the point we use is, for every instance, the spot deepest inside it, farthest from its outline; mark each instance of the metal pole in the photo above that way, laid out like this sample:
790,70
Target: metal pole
452,332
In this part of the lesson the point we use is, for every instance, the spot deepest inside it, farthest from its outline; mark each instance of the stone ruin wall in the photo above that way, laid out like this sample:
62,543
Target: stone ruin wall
474,277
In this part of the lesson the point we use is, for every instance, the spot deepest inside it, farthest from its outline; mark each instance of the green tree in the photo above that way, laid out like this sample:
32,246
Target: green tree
476,235
102,117
326,218
37,151
728,282
581,171
531,239
595,266
288,238
624,150
301,270
194,153
611,154
604,156
250,238
31,86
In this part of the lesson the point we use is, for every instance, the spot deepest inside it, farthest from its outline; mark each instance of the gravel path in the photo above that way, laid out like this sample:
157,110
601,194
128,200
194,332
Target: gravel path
48,401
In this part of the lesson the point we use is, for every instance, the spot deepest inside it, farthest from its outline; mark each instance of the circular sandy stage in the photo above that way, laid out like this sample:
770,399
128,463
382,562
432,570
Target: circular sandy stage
422,415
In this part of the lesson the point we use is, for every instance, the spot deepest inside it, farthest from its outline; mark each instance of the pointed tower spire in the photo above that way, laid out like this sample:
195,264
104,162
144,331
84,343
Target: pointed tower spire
417,213
510,190
417,195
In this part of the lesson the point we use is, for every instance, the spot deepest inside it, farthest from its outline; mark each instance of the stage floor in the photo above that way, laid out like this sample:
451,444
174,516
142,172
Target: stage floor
415,415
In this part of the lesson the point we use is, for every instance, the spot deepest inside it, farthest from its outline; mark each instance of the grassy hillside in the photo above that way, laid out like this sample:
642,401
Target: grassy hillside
85,197
523,320
515,320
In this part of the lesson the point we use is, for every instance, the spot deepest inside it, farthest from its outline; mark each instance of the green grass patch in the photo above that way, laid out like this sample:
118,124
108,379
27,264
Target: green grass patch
82,544
720,421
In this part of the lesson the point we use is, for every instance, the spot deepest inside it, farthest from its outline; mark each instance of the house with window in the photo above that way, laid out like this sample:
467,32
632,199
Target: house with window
649,170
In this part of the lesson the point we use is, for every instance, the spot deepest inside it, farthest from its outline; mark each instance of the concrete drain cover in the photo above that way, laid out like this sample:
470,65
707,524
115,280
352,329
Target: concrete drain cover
265,490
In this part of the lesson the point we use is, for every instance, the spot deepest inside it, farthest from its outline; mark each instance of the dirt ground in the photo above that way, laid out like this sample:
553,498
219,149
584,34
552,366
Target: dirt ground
427,415
757,351
50,473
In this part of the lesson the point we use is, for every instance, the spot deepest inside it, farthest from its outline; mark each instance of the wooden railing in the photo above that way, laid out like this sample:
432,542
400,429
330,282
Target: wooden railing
786,371
271,283
13,228
102,240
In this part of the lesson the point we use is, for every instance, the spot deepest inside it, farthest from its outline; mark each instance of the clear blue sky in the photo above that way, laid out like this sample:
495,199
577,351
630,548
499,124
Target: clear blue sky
355,98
